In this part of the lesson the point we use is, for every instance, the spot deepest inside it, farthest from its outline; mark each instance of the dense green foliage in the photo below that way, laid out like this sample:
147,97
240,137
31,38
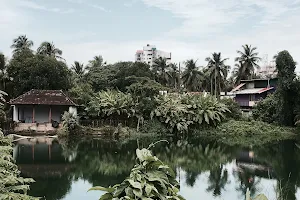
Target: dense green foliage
12,185
265,110
253,133
112,103
233,107
31,71
179,112
283,106
70,121
286,94
150,178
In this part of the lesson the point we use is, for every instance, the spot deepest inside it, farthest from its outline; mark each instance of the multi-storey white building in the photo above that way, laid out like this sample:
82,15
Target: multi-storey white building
268,70
149,54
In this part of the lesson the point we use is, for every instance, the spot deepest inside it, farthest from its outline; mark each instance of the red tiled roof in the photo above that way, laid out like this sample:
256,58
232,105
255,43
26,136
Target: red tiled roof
43,97
265,90
238,87
254,90
139,51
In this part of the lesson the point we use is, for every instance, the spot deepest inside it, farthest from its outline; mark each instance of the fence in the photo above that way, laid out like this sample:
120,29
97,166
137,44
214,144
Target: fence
105,122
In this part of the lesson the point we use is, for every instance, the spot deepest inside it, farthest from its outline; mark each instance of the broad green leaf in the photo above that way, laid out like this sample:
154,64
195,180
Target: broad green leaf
138,193
106,196
135,184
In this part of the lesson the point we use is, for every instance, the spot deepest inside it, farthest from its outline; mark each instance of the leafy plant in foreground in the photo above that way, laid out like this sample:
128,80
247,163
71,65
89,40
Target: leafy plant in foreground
149,179
12,186
259,197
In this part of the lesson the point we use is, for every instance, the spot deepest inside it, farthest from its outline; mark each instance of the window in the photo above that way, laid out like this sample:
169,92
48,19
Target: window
149,62
252,97
149,58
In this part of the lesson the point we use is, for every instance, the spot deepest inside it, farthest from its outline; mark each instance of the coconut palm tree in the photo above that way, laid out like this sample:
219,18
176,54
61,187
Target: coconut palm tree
79,69
3,72
218,71
161,70
174,80
49,49
21,43
97,62
248,60
191,76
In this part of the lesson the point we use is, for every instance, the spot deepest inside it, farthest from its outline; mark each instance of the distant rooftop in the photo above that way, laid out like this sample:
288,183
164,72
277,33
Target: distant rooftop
254,91
259,79
43,97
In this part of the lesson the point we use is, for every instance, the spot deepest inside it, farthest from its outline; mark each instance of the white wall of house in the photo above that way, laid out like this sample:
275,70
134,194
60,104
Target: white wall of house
15,113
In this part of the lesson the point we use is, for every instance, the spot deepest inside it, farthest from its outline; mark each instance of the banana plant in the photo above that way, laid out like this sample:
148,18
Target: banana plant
112,103
180,112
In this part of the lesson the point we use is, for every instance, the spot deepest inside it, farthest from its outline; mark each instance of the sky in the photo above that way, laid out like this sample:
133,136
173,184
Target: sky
190,29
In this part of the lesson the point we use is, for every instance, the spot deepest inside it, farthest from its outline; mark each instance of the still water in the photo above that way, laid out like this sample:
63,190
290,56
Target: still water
205,169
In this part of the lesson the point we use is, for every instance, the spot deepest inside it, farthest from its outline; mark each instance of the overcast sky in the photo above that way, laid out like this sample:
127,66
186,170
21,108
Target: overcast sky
187,28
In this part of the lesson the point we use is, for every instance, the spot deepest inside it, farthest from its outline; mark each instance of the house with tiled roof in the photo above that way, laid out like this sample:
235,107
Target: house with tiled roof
40,110
249,92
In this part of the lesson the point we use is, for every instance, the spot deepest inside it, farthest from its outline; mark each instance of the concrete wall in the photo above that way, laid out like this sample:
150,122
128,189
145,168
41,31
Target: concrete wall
39,128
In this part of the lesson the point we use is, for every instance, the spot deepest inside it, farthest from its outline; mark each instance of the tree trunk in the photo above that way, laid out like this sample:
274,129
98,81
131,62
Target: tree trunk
216,81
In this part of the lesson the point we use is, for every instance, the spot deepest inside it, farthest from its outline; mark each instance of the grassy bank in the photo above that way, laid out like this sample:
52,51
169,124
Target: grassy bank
253,133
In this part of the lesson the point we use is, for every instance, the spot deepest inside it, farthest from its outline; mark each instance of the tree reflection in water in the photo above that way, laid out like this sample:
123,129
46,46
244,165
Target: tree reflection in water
217,180
247,180
106,162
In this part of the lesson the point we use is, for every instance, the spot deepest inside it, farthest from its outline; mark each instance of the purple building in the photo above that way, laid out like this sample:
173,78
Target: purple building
251,91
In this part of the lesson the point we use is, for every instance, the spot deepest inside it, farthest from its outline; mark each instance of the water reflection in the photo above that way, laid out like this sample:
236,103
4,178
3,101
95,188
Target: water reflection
207,170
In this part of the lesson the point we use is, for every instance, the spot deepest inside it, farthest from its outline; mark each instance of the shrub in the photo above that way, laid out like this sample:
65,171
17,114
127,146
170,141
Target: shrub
179,112
12,186
70,121
265,109
234,107
150,178
154,127
247,133
112,103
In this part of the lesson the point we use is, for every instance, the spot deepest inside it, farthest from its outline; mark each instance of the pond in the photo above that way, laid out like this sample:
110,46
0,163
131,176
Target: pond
205,169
